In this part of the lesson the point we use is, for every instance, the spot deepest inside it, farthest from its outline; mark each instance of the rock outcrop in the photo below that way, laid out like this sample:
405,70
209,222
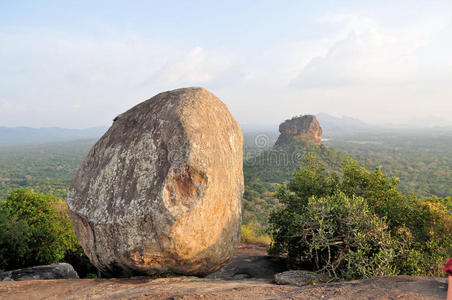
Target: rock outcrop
396,287
161,190
54,271
300,128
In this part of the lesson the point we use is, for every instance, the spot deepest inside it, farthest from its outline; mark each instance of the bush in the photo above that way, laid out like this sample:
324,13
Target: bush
34,230
251,235
358,225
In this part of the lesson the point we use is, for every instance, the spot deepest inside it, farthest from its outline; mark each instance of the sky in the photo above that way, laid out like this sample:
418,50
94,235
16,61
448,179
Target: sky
78,64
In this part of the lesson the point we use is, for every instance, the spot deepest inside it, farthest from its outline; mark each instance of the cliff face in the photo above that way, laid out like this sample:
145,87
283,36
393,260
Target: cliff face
300,128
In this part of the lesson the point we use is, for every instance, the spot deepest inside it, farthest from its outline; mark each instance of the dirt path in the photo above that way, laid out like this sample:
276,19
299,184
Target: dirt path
250,264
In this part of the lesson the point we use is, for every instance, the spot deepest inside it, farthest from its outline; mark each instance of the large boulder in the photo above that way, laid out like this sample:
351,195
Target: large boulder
54,271
161,190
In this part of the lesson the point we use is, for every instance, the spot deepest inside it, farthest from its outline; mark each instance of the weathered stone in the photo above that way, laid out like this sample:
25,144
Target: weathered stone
161,190
393,287
54,271
300,128
296,277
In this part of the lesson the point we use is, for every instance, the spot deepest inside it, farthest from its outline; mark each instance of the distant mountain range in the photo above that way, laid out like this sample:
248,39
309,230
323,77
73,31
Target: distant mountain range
347,125
331,124
14,136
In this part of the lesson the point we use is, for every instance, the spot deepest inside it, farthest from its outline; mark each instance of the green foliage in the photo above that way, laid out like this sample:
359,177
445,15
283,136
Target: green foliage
269,168
13,241
254,236
422,159
338,235
358,225
35,231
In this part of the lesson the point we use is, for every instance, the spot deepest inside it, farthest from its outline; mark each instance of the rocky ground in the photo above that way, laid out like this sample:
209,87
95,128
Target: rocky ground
248,276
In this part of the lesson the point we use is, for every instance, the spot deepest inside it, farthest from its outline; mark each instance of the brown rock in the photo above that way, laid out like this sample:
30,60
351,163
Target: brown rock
300,128
397,287
161,190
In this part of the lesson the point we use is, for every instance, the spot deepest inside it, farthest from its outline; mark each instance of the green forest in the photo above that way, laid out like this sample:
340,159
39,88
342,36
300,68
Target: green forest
47,168
422,162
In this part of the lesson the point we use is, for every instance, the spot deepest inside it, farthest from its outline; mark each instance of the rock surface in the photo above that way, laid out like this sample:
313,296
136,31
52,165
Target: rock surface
297,277
402,287
161,190
259,287
54,271
300,128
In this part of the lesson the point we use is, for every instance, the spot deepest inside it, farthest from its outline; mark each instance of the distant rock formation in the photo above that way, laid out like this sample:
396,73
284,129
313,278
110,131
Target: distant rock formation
300,128
54,271
161,190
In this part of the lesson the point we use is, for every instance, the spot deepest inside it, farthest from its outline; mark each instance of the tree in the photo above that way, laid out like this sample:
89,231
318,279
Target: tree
13,241
357,224
36,231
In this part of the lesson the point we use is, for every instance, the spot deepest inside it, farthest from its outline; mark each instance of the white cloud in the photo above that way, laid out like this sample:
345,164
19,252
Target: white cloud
8,107
363,54
354,67
92,80
197,66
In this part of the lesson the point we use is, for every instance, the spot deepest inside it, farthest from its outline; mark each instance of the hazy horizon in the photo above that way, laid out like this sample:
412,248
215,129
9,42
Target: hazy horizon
425,123
78,64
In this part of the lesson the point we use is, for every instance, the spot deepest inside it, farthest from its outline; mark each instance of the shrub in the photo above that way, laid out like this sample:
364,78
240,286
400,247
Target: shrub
13,241
358,225
33,231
